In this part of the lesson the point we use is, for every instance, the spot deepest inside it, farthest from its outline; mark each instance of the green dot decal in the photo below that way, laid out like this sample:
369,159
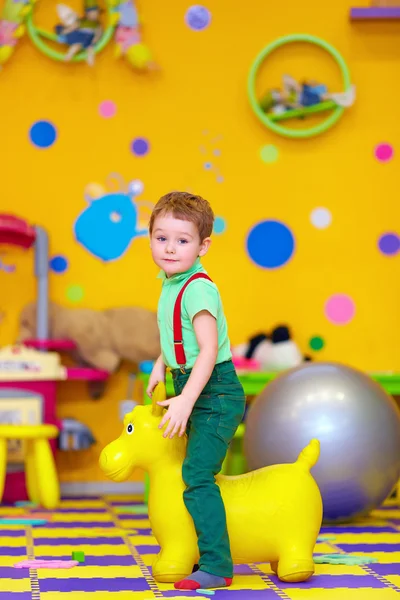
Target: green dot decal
316,343
75,293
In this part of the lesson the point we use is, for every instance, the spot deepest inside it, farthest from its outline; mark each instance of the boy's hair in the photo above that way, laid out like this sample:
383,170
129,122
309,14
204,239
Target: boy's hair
187,207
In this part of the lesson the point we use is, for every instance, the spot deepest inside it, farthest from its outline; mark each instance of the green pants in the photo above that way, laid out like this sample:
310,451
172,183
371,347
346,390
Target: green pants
215,417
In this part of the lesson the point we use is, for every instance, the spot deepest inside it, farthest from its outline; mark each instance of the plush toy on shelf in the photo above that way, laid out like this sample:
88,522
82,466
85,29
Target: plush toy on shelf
128,38
274,352
295,94
103,339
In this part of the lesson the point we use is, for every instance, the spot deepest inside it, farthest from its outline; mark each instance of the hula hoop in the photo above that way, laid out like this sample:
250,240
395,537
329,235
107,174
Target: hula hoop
36,34
271,121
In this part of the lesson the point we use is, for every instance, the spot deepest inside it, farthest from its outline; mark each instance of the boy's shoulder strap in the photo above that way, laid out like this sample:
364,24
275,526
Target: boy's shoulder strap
177,321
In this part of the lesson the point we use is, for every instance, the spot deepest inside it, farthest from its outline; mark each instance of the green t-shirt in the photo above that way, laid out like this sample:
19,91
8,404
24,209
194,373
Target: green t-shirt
199,295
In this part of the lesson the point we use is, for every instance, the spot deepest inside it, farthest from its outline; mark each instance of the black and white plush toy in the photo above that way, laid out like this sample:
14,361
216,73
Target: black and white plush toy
274,352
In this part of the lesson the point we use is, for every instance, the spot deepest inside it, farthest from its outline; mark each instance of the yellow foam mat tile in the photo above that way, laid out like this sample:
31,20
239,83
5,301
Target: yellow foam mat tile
342,593
102,550
88,572
15,585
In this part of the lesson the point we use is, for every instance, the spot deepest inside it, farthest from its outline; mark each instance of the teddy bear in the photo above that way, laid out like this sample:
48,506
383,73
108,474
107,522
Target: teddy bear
271,352
103,339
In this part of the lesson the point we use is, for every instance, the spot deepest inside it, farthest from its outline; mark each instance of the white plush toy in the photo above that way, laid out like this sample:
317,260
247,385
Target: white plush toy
274,352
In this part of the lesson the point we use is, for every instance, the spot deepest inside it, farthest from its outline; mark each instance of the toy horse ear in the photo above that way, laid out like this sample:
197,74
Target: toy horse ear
159,395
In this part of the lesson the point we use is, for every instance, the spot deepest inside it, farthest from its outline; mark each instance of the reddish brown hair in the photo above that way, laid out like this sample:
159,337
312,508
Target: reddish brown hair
187,207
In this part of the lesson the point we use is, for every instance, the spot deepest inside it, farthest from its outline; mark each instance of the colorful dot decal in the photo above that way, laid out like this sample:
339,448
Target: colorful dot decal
269,153
140,146
43,134
340,309
107,109
219,225
59,264
75,293
270,244
384,152
197,17
316,343
136,187
389,244
321,218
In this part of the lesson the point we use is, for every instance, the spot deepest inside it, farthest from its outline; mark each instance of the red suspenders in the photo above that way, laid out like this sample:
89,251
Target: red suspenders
178,341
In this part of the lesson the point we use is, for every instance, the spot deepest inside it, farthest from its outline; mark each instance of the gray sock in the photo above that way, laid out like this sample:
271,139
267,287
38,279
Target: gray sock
202,579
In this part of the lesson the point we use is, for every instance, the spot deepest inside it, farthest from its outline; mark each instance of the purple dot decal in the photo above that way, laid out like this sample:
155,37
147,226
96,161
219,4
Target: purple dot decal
197,17
107,109
384,152
140,146
340,309
389,244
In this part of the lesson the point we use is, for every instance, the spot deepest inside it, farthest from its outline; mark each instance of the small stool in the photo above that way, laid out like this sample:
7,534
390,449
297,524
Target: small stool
40,469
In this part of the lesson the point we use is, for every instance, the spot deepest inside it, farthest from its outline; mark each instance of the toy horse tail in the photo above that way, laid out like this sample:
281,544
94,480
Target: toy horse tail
309,456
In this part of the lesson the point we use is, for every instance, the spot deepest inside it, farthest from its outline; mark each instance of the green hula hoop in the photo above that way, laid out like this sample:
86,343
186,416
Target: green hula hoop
269,120
37,34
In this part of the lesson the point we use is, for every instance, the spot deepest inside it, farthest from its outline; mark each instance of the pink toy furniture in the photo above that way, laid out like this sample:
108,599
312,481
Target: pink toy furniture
29,378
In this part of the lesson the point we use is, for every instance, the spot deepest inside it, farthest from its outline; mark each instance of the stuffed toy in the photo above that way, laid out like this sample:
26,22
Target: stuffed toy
103,339
274,352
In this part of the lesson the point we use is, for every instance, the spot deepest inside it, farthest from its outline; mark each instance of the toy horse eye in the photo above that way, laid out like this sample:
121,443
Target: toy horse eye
129,429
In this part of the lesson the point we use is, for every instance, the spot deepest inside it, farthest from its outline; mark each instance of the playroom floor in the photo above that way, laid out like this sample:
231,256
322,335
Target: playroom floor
119,550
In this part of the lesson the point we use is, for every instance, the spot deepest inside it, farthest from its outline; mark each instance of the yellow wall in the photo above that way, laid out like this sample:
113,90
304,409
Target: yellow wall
200,88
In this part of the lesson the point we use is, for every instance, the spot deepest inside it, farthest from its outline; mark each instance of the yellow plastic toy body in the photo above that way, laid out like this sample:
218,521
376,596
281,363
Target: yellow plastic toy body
274,514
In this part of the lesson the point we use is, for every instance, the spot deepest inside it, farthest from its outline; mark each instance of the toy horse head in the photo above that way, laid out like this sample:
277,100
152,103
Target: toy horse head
141,443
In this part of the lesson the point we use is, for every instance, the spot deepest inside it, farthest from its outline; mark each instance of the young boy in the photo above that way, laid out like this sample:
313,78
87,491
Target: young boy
209,402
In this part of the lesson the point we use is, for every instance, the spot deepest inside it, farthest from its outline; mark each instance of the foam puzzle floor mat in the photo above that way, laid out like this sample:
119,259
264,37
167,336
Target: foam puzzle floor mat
119,549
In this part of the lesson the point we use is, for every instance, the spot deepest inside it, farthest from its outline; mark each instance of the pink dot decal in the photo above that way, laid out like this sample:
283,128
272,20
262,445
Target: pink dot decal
340,309
384,152
107,109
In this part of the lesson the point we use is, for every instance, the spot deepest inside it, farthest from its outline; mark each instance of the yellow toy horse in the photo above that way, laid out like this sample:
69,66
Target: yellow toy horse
274,514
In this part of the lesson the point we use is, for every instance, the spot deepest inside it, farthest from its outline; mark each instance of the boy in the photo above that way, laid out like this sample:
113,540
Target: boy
209,402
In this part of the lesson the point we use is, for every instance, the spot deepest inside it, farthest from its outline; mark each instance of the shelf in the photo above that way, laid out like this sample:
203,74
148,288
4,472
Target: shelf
374,13
58,345
16,232
80,374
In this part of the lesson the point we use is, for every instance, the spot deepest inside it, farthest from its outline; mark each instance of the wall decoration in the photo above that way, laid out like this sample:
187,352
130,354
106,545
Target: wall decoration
12,26
298,100
107,109
389,244
110,223
75,293
384,152
80,36
58,264
140,146
219,225
211,151
321,218
6,268
316,343
270,244
198,17
340,309
269,153
43,134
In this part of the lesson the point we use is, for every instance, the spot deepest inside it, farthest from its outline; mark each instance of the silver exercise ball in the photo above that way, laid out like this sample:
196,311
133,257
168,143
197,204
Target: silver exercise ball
355,420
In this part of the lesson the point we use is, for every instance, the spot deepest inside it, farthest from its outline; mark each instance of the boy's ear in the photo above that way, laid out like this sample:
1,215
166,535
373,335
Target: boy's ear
205,244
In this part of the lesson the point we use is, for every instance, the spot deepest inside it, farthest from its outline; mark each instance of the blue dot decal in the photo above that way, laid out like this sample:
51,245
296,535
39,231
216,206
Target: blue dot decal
270,244
59,264
219,225
43,134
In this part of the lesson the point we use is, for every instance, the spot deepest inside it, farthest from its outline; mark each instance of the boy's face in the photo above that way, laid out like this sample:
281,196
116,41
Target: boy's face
175,244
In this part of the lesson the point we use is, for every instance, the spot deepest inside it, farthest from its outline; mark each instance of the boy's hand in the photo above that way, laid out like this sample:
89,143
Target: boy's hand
157,375
178,413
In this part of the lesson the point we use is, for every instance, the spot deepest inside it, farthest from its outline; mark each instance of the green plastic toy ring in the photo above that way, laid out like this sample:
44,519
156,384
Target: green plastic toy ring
36,34
272,121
